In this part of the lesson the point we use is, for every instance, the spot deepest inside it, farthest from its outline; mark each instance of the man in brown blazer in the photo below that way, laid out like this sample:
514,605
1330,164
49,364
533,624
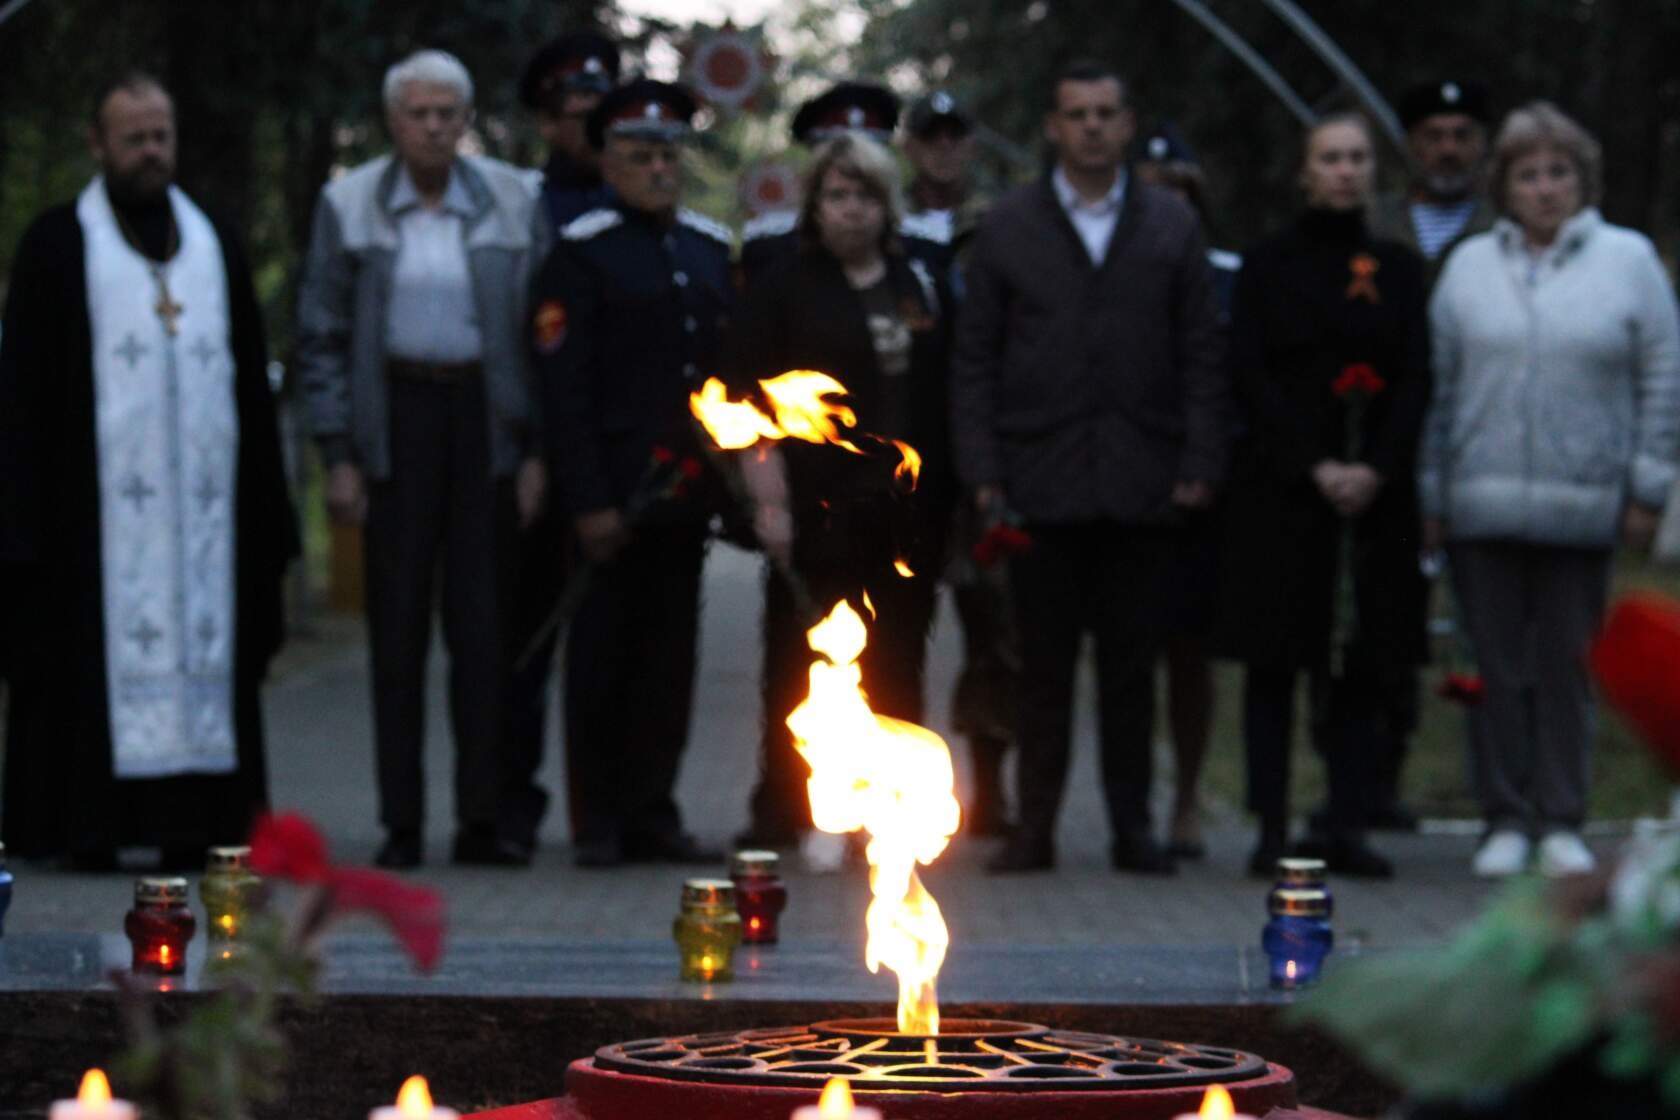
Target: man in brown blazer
1090,401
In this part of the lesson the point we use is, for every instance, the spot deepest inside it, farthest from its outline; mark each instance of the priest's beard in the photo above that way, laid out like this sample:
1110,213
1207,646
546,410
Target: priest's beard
143,186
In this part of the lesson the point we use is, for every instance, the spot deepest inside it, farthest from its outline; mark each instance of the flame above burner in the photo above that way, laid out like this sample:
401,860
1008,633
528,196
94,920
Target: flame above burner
894,780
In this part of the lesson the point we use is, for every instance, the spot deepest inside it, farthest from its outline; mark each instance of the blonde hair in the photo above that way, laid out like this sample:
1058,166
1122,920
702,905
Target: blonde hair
1539,125
858,157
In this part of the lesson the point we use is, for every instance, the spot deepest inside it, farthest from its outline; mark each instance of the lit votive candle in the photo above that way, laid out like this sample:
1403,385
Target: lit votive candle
414,1102
836,1104
93,1102
1216,1105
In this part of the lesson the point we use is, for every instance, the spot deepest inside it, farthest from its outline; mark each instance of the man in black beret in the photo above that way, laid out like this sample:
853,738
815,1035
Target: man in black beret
1446,201
628,311
562,84
1446,126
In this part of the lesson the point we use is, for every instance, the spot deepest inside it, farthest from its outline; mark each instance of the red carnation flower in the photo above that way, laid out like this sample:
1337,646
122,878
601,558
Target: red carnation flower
663,455
1000,542
1468,689
1636,659
288,846
1359,377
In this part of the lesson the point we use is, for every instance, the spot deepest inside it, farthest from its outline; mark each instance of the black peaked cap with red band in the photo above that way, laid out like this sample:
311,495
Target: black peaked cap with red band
645,109
583,61
848,106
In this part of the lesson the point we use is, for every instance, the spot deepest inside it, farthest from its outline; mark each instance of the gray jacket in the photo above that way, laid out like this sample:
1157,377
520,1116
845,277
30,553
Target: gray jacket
347,283
1557,386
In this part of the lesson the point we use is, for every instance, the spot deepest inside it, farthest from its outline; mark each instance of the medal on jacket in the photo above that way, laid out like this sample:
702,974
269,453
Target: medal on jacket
1363,285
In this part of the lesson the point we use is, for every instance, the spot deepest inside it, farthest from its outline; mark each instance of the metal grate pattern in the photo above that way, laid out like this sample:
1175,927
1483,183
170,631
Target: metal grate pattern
967,1055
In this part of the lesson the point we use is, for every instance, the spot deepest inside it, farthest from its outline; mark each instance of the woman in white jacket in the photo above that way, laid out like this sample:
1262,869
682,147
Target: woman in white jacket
1553,433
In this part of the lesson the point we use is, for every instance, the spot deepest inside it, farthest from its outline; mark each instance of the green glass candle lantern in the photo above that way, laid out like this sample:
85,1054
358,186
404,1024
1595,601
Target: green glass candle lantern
231,893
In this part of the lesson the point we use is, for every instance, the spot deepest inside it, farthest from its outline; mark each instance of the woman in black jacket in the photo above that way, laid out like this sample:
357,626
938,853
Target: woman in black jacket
852,305
1329,353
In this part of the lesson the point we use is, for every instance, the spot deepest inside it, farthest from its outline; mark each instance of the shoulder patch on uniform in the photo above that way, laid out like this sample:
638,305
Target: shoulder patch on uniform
548,326
929,227
1224,259
930,291
773,224
591,223
697,221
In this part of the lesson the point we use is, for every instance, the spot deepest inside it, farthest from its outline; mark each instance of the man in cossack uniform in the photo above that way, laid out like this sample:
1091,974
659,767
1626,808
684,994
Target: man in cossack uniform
628,313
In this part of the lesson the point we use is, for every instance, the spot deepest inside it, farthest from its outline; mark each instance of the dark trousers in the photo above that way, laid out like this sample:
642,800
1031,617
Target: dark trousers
440,503
541,569
1530,611
1347,724
891,664
1109,579
630,684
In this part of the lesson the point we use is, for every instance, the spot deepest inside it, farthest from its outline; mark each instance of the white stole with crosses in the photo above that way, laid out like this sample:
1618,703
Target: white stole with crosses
168,447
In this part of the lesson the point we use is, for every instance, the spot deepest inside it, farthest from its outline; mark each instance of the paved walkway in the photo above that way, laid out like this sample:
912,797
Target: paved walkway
321,759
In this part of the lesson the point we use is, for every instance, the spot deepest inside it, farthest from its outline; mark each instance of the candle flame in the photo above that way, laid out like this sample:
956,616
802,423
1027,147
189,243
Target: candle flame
163,954
95,1091
836,1100
414,1099
1289,969
909,464
706,964
753,923
228,923
1216,1104
894,780
903,568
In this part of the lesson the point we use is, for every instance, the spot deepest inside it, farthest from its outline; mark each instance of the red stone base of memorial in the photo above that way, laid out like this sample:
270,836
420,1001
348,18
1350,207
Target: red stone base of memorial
599,1094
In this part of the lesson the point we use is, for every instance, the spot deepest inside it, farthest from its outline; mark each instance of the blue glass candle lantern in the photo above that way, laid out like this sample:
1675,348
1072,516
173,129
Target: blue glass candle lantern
1304,875
1297,938
5,890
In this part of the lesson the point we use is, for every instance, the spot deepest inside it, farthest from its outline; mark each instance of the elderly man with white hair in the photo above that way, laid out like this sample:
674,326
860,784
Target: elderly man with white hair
411,345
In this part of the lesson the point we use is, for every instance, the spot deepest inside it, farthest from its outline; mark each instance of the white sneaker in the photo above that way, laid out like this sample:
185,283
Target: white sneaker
1503,854
1562,853
822,853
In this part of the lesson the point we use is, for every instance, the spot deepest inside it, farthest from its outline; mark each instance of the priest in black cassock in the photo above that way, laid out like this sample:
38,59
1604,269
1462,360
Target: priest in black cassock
145,524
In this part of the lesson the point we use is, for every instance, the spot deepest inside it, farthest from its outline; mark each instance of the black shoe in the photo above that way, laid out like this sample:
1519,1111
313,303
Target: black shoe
481,847
1140,854
1393,817
607,852
401,850
1355,858
669,847
1023,852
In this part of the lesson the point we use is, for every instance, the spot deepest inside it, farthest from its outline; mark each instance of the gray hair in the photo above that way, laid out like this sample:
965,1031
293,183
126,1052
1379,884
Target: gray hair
432,67
1534,127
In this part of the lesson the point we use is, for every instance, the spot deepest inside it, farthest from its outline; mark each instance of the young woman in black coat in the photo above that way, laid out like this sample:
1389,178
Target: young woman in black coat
1330,357
852,305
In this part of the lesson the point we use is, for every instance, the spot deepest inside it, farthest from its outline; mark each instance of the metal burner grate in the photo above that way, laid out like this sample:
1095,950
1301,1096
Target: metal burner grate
967,1055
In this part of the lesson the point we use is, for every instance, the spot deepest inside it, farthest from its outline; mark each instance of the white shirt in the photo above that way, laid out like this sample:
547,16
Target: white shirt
432,316
1094,221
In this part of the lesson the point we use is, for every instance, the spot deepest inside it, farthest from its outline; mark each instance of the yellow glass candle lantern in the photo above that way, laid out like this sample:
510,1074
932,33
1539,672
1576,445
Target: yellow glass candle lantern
708,930
231,893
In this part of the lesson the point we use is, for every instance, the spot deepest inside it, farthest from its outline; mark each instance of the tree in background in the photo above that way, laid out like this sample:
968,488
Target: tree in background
1604,61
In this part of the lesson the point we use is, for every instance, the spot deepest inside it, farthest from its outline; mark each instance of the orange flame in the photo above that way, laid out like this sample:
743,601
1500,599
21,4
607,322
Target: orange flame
1216,1104
894,780
798,399
903,568
909,464
836,1100
414,1099
95,1091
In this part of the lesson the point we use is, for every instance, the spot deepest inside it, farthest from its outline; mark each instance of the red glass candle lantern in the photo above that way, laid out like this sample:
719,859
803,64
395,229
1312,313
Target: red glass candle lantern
159,926
760,895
